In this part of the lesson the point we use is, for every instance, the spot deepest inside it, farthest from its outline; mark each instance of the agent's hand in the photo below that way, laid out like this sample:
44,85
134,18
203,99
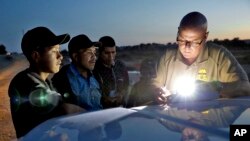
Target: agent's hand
161,95
190,134
112,101
118,100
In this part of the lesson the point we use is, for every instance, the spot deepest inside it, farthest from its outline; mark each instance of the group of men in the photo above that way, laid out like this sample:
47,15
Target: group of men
89,83
82,85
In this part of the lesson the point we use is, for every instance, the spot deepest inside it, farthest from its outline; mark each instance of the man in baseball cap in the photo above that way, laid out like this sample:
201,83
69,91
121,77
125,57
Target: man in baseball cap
33,99
79,85
39,38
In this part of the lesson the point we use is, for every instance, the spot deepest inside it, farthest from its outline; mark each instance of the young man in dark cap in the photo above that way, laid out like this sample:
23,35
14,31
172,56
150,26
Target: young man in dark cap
112,74
33,99
75,81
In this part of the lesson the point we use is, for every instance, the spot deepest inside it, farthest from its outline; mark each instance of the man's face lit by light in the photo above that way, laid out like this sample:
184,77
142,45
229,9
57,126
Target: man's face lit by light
184,86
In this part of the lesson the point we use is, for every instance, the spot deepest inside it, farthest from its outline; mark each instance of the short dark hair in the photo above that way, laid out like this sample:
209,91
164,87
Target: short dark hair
106,41
193,19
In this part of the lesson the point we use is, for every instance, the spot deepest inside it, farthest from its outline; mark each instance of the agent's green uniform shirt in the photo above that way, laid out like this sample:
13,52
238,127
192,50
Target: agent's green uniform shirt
214,63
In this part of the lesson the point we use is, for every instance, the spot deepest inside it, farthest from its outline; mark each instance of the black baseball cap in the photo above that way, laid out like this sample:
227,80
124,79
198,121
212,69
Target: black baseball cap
80,42
41,37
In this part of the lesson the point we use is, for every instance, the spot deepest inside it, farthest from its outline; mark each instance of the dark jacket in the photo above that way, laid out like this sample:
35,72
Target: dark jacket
32,101
114,78
61,83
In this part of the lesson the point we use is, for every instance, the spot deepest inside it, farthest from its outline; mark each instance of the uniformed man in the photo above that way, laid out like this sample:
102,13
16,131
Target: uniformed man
197,60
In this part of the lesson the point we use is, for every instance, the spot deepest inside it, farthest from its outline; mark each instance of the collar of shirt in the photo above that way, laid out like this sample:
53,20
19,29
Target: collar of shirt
74,71
36,78
203,56
78,81
75,77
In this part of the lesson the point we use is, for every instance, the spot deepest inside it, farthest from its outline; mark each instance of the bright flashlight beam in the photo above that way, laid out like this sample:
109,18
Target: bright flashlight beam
184,86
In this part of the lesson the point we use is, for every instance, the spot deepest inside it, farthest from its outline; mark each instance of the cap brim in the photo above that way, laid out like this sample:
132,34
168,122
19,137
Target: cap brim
60,39
97,44
64,38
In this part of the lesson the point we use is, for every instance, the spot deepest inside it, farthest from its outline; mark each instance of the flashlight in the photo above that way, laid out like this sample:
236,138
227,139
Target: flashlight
188,89
184,86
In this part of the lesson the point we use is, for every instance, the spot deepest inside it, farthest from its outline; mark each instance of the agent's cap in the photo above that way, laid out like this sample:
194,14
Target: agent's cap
41,37
80,42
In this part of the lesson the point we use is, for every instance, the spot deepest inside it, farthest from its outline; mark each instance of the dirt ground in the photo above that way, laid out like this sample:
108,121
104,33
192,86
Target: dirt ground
7,131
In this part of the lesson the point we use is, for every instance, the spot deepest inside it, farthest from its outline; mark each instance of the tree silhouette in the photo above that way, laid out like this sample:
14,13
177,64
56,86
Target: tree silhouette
2,49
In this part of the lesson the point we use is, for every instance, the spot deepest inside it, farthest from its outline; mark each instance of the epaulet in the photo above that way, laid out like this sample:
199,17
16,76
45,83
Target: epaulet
215,49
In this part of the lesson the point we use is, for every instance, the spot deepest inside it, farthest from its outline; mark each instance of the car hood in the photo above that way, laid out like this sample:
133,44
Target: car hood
156,122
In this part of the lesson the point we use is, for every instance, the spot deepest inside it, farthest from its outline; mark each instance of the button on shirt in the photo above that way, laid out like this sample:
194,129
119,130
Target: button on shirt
87,90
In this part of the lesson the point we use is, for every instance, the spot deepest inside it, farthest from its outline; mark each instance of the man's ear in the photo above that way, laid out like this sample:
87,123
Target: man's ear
207,33
35,56
75,57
